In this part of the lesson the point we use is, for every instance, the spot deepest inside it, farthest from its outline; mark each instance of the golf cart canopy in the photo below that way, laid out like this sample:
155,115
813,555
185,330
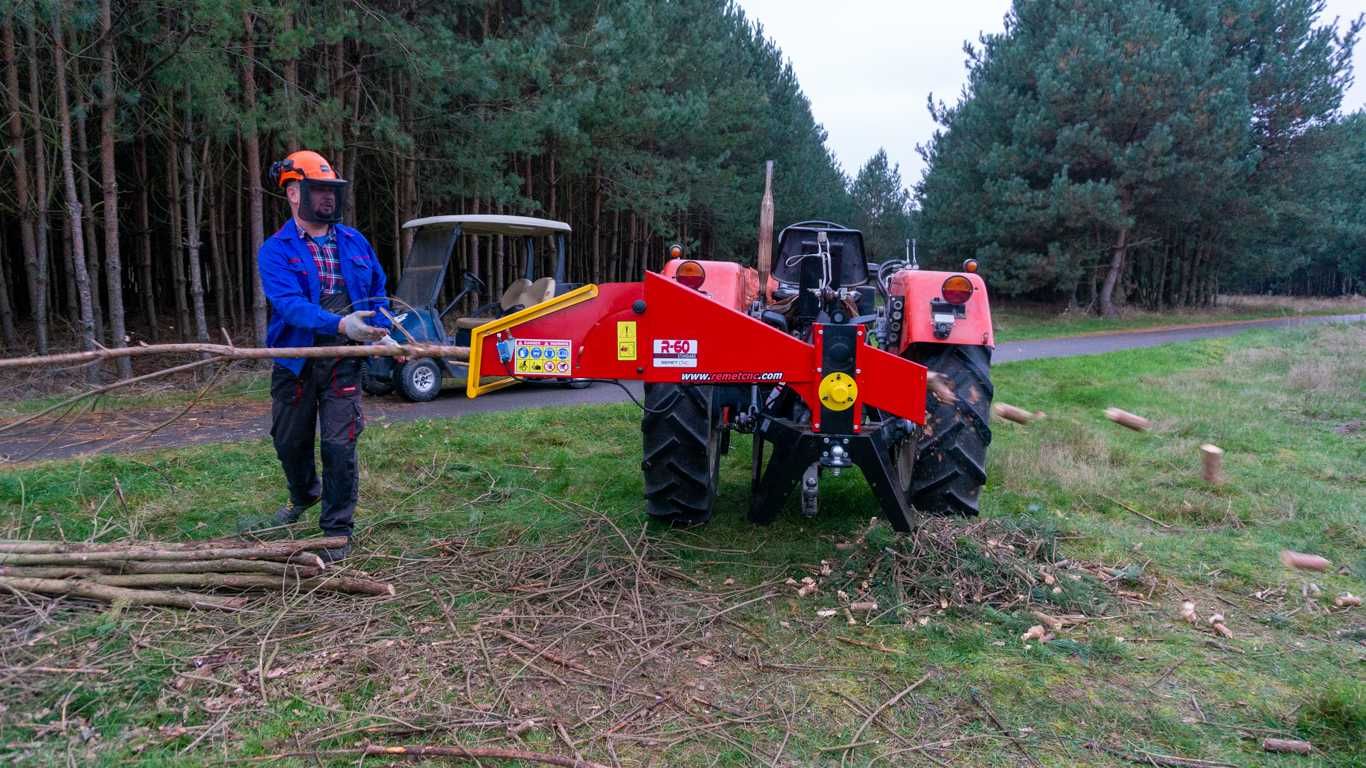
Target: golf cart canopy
481,224
434,239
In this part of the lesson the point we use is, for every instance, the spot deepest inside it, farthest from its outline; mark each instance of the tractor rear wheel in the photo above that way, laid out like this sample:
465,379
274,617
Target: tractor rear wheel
951,452
682,453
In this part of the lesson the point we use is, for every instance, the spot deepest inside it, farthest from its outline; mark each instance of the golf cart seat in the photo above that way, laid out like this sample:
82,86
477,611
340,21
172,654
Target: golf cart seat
520,294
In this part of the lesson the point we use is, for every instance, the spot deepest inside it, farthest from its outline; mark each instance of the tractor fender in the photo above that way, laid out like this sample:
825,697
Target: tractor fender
919,289
727,283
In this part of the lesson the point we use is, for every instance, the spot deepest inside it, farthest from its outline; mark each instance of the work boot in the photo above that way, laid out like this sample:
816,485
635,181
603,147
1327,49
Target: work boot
336,553
289,514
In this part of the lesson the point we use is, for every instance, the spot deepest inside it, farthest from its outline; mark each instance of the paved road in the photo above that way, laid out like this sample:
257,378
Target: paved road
121,431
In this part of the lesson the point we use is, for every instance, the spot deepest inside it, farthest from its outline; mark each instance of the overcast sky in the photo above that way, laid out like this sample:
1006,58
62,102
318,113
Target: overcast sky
868,65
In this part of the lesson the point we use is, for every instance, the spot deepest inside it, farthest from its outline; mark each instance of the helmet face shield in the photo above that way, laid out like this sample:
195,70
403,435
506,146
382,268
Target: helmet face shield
322,201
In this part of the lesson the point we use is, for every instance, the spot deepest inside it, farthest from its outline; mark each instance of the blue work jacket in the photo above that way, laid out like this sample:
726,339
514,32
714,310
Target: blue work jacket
290,280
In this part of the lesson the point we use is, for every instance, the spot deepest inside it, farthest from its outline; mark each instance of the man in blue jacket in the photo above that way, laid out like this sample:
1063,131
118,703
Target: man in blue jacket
324,284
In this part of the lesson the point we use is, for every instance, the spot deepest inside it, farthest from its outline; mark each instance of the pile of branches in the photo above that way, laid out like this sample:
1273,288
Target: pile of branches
164,573
598,640
947,564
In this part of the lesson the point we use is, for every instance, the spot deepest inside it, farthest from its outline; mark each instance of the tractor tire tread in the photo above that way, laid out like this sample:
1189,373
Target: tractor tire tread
680,485
951,452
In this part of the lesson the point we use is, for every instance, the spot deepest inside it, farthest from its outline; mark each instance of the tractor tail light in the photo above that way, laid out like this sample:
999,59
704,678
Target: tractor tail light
970,266
957,290
691,274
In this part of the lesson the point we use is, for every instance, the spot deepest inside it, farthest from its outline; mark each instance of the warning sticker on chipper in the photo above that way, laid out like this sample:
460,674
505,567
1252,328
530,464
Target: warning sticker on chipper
675,353
542,357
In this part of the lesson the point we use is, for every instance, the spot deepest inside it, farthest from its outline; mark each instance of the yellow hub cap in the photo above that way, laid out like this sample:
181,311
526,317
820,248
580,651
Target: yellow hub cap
838,391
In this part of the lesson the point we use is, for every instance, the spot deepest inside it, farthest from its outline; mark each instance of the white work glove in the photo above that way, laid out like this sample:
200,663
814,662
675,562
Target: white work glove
388,341
354,327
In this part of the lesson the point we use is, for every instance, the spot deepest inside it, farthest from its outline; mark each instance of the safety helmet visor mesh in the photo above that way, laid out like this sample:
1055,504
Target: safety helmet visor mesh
322,201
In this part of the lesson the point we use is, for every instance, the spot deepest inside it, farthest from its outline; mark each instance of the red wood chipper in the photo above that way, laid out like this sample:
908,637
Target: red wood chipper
822,357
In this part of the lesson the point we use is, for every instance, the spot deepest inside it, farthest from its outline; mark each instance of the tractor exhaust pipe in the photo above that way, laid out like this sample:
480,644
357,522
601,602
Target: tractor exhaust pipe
765,260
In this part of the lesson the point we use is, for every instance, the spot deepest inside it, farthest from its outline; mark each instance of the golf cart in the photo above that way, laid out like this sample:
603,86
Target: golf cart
424,272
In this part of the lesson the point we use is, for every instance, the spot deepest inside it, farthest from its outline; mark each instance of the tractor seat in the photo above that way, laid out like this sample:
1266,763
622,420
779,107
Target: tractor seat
522,293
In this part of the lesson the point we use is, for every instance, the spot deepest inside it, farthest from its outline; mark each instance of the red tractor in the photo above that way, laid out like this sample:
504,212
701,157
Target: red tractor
825,362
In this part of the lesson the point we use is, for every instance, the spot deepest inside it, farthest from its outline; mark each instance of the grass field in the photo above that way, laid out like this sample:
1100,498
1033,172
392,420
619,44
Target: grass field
1015,321
688,648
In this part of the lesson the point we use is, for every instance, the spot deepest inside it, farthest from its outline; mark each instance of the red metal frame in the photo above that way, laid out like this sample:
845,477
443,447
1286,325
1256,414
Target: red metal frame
919,288
726,282
683,336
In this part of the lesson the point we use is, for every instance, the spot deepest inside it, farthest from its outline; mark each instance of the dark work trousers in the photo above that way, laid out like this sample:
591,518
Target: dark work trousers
324,398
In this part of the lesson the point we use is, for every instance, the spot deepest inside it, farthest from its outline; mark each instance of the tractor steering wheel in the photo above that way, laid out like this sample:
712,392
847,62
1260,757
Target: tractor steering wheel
471,283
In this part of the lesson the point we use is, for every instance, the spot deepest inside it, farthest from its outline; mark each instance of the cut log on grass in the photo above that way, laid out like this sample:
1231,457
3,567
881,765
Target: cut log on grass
240,353
49,572
1217,621
1131,420
248,581
1188,612
226,565
1212,458
1017,415
1347,600
470,754
1304,562
22,546
305,559
1052,622
110,594
1294,746
271,549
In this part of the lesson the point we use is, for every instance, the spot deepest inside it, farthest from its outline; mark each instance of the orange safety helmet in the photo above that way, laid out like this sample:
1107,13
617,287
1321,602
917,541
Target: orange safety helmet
304,164
322,193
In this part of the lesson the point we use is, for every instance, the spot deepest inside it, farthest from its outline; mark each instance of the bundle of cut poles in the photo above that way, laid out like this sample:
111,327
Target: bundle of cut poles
169,573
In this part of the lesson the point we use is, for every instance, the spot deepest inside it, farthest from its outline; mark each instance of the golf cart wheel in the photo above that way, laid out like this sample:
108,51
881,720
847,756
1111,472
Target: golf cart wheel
951,452
374,386
682,453
420,380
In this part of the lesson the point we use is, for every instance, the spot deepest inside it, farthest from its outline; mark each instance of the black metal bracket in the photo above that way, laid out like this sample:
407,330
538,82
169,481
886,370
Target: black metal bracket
795,448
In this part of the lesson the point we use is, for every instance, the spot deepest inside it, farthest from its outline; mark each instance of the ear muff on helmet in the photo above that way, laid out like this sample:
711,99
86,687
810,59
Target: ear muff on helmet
283,172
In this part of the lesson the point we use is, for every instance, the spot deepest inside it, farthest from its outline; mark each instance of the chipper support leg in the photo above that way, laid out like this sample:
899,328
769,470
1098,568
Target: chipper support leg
873,456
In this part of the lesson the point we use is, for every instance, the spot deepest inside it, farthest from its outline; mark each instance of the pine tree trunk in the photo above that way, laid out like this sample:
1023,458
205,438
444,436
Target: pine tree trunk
219,283
201,325
28,210
73,307
44,286
11,339
177,252
499,265
410,200
73,202
614,251
291,78
239,229
89,229
113,264
256,216
149,293
1107,290
397,271
596,269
